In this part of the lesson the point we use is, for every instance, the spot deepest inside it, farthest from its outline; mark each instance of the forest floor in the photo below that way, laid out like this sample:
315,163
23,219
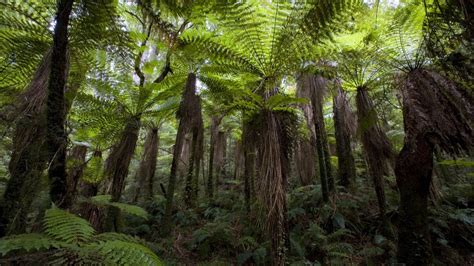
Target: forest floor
345,232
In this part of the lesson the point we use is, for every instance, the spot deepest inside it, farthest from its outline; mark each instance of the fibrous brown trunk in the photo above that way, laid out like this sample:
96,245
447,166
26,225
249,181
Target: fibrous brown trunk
343,128
248,146
436,112
27,161
375,143
119,162
272,185
190,121
56,107
317,86
147,167
215,121
220,157
76,165
304,160
238,160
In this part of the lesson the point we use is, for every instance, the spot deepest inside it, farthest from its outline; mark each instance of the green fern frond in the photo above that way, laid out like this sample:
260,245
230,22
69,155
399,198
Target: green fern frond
116,252
27,242
104,200
66,227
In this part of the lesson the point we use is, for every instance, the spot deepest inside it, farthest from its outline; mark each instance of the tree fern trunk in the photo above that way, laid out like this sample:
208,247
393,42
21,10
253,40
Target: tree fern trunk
436,112
27,161
26,166
375,143
147,167
56,107
119,163
272,185
188,190
213,138
346,170
76,165
190,120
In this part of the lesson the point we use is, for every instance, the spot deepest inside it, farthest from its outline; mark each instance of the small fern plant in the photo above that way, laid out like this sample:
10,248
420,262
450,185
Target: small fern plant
70,240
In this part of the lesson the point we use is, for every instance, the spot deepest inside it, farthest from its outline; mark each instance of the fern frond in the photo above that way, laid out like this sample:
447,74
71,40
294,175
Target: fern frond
104,200
117,252
27,242
66,227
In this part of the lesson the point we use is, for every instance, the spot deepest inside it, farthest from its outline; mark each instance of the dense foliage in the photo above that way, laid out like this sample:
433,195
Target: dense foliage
255,132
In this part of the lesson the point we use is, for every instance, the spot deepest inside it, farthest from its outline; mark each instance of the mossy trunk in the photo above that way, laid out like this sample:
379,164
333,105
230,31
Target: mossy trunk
56,108
346,169
118,171
28,158
189,186
76,164
26,166
166,225
147,167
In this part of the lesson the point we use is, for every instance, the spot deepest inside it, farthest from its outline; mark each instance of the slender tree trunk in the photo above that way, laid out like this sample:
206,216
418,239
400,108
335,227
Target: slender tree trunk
375,143
216,120
220,158
119,163
322,165
304,161
56,107
317,88
346,171
147,167
249,149
76,166
188,190
166,227
89,187
190,120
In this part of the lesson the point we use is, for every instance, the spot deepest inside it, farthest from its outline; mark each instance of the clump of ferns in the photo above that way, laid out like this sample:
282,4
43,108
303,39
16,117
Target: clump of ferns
70,240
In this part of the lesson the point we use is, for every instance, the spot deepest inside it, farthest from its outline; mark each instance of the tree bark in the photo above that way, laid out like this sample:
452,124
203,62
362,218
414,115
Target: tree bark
76,165
413,169
274,165
56,107
216,120
147,167
119,163
375,143
28,159
190,120
346,170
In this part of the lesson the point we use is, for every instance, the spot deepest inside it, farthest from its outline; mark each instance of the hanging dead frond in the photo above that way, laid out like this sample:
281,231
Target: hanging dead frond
439,109
377,147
